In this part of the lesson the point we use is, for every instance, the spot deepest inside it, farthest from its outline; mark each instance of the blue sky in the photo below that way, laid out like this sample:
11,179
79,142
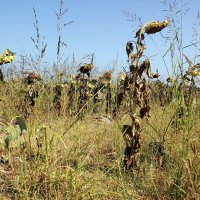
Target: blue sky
99,26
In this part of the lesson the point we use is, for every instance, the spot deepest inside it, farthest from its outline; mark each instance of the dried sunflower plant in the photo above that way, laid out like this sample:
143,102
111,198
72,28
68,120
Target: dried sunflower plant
140,107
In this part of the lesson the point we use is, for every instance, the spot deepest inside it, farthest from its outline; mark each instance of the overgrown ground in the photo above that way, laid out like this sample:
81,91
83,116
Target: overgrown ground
65,158
66,155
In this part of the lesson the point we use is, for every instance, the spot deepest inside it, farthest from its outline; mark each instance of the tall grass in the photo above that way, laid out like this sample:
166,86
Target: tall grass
64,157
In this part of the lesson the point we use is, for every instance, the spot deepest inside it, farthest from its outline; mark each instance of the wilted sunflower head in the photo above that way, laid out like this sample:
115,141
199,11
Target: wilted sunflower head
155,26
32,77
85,68
106,78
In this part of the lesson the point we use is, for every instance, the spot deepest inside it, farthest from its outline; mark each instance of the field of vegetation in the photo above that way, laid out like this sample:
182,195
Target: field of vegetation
76,136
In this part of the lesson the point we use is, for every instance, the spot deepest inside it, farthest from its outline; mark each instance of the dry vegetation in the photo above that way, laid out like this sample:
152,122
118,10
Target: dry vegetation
80,137
63,157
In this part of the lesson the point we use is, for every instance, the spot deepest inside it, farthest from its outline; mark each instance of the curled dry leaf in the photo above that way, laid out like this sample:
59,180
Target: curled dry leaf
127,131
146,67
129,48
136,123
145,111
123,76
141,49
132,139
138,94
155,75
132,56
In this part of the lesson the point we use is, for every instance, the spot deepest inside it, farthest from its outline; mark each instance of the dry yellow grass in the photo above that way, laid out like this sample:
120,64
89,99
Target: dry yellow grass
86,163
